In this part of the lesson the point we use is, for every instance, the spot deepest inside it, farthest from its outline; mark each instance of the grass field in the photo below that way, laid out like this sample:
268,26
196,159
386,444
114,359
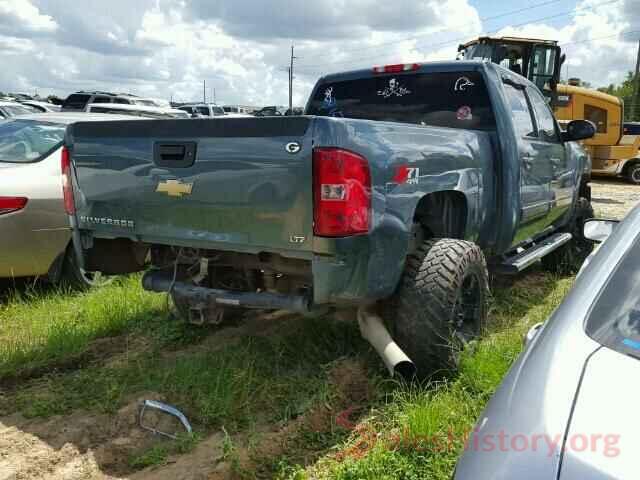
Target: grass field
273,386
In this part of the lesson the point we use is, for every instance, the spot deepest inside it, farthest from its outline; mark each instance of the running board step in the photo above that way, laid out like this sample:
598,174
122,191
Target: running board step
520,261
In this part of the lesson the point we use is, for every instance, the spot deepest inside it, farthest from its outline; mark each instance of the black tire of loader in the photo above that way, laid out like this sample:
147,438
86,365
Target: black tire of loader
440,304
567,259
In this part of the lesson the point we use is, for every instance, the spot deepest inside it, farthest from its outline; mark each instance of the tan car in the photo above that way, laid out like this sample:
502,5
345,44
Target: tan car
35,238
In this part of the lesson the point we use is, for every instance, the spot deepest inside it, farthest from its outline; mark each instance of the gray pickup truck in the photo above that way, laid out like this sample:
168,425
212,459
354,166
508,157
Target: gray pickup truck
392,192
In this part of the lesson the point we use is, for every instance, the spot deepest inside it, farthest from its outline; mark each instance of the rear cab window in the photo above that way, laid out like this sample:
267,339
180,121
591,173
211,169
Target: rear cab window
27,141
614,320
441,99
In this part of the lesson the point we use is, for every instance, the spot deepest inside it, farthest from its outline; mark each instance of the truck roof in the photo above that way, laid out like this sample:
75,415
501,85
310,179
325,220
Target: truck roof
507,40
441,66
427,67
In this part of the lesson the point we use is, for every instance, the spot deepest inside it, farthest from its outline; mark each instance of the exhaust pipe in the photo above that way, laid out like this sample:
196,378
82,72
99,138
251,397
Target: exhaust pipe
373,330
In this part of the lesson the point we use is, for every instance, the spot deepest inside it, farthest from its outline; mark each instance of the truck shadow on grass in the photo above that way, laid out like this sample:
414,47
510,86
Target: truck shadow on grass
263,396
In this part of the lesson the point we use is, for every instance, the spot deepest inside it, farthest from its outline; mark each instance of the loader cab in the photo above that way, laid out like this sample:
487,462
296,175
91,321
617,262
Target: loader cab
538,60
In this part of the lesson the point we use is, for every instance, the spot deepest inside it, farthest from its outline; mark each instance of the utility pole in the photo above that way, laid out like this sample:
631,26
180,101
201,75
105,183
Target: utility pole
635,108
204,91
214,94
291,80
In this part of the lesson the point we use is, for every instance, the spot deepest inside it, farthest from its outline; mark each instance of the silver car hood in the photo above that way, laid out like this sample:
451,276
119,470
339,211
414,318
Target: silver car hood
604,434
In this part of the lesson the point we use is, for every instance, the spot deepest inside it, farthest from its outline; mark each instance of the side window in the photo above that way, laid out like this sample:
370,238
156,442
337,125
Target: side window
598,116
520,111
121,100
101,100
203,111
546,121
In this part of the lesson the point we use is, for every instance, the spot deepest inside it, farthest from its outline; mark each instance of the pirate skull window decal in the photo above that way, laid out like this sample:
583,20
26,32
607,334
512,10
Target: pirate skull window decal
394,89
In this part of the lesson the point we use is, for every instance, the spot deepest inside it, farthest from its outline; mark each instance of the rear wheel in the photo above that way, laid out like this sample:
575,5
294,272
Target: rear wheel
441,303
568,259
77,278
633,173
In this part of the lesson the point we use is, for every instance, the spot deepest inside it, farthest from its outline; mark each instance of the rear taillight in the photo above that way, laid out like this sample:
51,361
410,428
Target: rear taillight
67,186
12,204
342,193
397,68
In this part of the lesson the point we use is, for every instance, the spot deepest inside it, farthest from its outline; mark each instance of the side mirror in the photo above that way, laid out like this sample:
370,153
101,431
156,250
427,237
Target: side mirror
579,130
598,230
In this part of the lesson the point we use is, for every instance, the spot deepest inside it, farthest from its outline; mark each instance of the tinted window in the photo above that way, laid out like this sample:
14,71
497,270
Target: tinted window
23,141
101,100
520,111
121,100
546,121
598,116
614,320
456,100
203,110
76,101
218,110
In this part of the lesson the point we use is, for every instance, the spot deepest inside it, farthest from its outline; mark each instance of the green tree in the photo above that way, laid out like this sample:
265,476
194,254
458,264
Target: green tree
625,92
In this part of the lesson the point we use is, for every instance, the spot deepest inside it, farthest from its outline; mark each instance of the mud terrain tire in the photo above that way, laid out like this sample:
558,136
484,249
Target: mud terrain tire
440,304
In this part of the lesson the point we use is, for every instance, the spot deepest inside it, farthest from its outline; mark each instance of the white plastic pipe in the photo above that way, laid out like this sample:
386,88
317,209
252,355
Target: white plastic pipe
373,330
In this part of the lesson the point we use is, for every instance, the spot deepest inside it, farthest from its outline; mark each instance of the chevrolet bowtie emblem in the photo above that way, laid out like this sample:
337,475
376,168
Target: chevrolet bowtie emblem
175,188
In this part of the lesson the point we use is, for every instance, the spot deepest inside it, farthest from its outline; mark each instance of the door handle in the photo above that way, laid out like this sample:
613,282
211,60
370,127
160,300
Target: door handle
527,161
174,154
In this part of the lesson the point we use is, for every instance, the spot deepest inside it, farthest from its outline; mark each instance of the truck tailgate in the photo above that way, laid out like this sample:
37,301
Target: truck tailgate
234,183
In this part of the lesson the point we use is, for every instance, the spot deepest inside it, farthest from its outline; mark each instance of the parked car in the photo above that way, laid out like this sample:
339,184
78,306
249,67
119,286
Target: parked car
235,109
294,111
631,128
12,109
395,187
41,106
80,101
203,110
35,239
137,110
271,111
572,391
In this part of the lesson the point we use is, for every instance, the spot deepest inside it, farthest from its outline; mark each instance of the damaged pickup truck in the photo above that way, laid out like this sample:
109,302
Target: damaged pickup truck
390,195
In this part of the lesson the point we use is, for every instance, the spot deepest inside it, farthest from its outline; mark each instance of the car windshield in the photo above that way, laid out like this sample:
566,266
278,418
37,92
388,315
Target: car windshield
614,320
24,141
446,99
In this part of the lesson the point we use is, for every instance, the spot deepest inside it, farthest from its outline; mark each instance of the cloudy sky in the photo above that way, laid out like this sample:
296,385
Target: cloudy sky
165,48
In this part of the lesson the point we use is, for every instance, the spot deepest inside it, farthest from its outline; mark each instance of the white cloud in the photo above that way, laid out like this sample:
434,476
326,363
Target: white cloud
241,47
23,15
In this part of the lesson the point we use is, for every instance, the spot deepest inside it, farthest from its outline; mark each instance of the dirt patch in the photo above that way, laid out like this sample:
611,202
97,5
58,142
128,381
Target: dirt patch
86,445
613,198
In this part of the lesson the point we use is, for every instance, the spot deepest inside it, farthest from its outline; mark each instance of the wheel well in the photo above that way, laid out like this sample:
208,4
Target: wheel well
442,214
628,164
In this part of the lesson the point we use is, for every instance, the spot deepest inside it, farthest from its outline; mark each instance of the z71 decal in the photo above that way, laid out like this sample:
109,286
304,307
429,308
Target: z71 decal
405,174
